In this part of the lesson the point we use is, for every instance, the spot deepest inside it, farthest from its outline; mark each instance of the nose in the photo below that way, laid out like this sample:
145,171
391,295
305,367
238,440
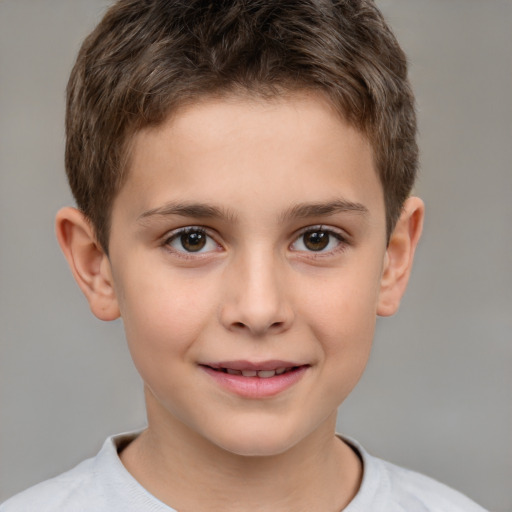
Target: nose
256,296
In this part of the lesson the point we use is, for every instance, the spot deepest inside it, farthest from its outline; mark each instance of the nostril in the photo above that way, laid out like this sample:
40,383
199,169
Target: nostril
275,325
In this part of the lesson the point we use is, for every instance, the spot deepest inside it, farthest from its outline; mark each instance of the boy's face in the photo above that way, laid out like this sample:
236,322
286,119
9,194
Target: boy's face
250,235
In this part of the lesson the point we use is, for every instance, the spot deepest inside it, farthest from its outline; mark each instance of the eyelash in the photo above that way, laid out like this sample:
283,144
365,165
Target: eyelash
183,253
202,232
341,239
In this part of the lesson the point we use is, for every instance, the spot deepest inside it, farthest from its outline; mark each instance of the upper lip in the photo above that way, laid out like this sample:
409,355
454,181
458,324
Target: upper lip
251,365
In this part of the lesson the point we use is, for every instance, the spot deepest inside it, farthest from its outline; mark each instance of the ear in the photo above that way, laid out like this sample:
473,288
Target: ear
88,262
400,255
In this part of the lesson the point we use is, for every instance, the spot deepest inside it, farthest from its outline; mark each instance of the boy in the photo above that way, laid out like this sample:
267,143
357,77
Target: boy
243,172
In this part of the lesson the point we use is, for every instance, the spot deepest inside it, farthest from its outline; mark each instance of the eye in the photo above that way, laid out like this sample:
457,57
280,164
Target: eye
191,240
319,240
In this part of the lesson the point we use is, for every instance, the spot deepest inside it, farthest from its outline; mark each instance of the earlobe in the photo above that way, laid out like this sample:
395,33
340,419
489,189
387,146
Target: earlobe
88,262
399,256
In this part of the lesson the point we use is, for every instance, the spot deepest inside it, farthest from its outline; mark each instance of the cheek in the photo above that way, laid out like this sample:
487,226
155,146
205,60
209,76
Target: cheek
164,316
342,317
346,328
343,305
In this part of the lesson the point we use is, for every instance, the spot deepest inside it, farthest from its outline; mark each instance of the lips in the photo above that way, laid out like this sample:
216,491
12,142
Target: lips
263,370
262,374
256,380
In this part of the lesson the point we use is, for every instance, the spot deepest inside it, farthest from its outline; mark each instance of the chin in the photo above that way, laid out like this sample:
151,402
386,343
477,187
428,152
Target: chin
255,447
257,442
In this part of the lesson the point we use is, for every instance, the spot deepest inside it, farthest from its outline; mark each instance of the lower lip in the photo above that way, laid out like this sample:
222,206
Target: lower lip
256,387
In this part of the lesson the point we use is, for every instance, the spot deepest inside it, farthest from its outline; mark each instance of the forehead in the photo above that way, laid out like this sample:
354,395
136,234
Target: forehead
239,148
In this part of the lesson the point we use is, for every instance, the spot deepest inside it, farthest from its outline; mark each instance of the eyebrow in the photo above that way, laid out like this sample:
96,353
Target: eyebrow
184,209
305,210
209,211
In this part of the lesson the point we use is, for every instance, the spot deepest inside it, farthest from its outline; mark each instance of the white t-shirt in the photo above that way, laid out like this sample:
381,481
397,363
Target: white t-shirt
102,484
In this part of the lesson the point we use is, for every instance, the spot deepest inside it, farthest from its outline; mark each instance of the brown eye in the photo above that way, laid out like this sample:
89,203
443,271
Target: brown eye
316,240
321,240
193,241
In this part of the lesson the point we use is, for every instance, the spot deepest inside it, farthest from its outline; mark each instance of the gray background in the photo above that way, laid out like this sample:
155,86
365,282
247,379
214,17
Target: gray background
437,393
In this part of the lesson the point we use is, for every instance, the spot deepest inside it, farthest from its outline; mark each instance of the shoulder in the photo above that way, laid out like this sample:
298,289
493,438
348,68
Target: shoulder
414,489
387,487
60,493
101,484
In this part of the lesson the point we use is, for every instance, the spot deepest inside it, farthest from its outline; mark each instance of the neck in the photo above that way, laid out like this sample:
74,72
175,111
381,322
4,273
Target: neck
189,473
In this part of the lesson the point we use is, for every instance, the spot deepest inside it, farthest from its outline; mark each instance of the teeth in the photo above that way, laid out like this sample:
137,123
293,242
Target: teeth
262,374
265,374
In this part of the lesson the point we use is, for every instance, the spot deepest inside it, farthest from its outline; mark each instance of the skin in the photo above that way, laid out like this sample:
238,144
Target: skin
259,170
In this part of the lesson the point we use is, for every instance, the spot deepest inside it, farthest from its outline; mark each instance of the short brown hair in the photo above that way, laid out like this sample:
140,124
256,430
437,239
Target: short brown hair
146,58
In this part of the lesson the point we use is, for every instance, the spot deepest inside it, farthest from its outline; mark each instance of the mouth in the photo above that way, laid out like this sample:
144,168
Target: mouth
262,374
256,380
